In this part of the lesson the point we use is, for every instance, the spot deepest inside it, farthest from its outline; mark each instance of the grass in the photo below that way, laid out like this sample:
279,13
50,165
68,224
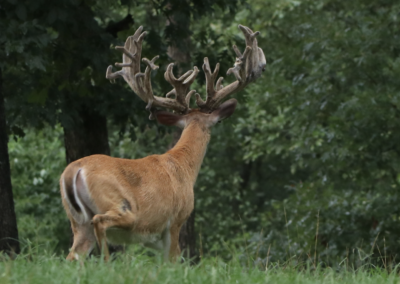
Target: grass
140,268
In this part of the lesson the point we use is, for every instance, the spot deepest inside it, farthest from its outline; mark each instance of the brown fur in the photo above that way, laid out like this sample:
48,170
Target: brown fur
140,197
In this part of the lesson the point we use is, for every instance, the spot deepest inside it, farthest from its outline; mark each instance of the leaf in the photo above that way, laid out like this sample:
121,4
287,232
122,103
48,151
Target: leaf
36,62
38,97
21,12
52,16
17,132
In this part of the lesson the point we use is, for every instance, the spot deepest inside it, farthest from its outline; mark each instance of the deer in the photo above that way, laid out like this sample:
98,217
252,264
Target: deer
147,200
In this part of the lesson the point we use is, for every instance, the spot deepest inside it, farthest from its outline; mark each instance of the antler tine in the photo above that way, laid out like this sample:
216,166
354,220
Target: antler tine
144,80
140,83
247,68
181,85
210,79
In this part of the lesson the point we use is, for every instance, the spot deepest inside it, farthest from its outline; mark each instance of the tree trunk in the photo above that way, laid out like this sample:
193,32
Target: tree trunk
88,136
8,223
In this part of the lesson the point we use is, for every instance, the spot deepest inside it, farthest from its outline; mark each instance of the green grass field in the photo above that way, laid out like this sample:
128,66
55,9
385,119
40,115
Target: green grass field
129,268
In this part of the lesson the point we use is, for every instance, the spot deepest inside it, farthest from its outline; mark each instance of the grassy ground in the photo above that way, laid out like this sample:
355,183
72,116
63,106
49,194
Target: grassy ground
36,268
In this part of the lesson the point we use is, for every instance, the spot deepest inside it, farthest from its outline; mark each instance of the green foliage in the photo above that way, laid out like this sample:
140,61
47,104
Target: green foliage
328,105
36,162
54,59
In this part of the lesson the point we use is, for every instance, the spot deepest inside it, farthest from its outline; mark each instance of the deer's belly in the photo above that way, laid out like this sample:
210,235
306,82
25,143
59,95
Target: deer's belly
119,236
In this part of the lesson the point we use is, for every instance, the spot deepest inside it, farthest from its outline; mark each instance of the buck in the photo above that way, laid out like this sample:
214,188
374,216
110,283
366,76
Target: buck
148,200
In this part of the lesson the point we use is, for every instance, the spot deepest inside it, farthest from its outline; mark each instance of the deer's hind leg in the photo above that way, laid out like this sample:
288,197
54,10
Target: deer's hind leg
84,241
121,217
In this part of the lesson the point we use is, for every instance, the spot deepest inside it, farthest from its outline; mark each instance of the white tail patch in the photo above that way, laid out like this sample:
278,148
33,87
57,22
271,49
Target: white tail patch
78,200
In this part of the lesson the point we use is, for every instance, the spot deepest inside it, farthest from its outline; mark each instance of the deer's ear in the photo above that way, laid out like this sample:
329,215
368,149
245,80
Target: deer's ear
225,110
170,119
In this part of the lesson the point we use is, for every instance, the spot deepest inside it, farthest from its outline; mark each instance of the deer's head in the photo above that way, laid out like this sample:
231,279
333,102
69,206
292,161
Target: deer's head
247,68
207,119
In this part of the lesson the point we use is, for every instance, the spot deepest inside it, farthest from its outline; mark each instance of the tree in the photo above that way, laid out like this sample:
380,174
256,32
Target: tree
20,42
8,223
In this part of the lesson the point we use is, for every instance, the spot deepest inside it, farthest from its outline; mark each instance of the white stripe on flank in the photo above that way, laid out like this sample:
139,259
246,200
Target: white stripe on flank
65,192
91,207
78,200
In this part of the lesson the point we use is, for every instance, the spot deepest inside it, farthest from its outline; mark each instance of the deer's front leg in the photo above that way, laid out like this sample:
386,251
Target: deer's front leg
166,242
174,249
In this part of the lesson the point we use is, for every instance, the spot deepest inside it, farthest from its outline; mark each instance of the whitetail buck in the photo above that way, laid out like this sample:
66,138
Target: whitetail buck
147,200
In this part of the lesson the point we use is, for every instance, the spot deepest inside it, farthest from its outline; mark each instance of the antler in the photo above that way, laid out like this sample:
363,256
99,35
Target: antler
140,83
247,68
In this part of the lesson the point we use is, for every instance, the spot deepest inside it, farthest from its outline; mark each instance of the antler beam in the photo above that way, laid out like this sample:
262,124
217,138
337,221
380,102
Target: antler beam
247,68
140,82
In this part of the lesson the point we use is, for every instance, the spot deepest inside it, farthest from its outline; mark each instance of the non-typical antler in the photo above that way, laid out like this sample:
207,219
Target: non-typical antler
247,68
141,82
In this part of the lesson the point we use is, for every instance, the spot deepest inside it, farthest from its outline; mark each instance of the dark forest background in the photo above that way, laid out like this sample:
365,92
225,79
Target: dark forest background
309,164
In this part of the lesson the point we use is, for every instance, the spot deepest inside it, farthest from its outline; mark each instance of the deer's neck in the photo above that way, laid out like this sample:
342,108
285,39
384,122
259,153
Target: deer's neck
189,151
